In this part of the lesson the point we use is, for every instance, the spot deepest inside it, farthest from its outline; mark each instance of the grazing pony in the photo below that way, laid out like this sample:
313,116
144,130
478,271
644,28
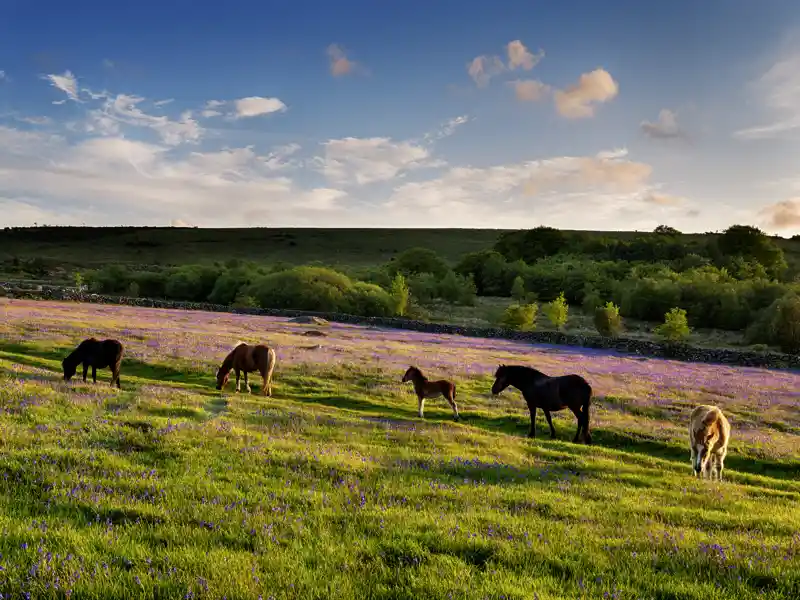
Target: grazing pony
96,354
709,434
549,394
246,359
431,389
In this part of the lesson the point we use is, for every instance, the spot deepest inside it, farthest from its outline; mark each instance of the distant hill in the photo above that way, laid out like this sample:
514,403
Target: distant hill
94,246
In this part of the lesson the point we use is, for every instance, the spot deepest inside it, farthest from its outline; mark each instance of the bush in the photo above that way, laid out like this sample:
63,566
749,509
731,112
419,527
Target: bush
518,292
243,301
228,284
778,324
322,290
675,326
400,295
193,283
607,320
557,311
133,290
457,289
521,317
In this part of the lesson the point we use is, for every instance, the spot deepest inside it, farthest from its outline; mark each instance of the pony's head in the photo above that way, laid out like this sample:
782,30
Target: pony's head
500,380
69,367
411,372
222,377
704,436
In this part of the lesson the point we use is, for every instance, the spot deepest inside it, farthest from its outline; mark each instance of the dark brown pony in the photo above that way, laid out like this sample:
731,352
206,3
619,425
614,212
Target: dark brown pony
431,389
97,355
246,359
549,394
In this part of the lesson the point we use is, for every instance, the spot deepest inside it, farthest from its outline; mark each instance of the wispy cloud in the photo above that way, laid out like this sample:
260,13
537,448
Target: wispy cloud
484,67
665,127
340,63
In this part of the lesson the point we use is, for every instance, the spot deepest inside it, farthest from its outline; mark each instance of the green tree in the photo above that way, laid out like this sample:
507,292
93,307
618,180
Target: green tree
419,260
557,311
518,292
675,326
400,294
750,242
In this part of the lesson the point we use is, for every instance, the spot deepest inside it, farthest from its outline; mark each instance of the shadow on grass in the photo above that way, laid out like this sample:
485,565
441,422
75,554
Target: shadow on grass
32,356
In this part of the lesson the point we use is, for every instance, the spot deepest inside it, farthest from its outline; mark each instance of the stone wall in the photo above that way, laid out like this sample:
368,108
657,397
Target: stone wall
683,352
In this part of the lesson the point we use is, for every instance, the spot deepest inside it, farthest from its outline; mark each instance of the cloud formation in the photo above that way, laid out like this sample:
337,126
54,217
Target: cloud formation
665,127
339,63
782,215
530,90
483,68
67,83
779,92
578,101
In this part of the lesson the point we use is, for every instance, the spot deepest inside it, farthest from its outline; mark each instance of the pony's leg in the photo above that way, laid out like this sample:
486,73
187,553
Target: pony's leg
550,423
720,464
452,402
587,435
421,406
579,417
247,385
691,459
94,374
532,432
238,383
267,375
85,371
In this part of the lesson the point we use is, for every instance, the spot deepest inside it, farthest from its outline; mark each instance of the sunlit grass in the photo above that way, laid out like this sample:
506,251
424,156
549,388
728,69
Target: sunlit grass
334,488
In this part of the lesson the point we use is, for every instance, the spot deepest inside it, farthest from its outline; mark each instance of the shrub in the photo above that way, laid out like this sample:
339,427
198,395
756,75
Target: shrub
78,278
400,294
675,326
557,311
243,301
457,289
778,324
607,320
521,317
133,290
193,283
228,284
320,289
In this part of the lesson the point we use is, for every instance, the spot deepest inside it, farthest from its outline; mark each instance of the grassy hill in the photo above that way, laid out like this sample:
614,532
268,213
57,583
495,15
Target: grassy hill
92,246
334,487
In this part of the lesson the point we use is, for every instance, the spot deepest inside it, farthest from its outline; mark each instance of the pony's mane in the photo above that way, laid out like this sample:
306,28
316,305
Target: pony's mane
414,369
237,344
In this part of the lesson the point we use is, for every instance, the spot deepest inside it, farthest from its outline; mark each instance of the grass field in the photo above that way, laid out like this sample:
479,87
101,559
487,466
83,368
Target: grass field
334,488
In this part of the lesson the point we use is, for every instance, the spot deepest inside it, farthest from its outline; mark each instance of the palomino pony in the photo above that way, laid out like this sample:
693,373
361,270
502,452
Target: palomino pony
246,359
549,394
97,355
709,434
431,389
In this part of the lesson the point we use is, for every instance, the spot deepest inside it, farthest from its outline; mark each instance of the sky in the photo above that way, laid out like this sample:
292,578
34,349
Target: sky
577,114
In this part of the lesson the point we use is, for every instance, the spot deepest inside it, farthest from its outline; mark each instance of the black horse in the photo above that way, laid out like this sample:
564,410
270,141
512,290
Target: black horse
549,394
97,355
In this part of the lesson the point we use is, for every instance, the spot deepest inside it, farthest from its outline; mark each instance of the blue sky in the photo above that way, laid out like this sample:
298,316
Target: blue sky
574,114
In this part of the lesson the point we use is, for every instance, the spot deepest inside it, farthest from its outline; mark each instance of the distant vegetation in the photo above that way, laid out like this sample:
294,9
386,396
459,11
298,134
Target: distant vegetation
740,280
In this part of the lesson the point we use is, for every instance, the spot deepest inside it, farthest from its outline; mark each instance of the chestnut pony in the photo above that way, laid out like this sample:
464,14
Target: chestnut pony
431,389
246,359
709,434
549,394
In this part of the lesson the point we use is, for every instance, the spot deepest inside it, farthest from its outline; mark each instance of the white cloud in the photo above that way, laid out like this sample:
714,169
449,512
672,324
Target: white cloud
255,106
35,120
252,106
67,83
779,92
506,195
483,68
126,181
578,101
360,161
447,128
665,127
3,76
124,109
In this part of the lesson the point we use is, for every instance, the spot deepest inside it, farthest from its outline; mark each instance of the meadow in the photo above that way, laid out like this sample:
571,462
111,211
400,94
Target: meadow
334,488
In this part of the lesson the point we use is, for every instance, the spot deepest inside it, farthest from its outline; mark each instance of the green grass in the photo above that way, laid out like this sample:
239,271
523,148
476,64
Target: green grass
334,488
